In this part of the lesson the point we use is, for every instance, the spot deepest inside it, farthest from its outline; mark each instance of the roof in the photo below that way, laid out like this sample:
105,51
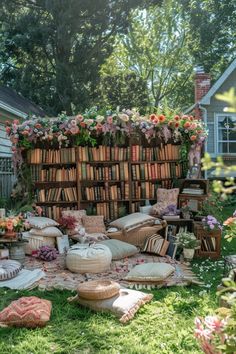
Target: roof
207,98
13,102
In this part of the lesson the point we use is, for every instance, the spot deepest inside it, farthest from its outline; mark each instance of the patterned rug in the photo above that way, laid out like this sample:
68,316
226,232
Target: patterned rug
58,277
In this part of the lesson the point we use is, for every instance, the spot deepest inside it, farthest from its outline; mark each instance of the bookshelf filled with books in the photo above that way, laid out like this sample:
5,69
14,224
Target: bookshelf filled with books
106,180
210,241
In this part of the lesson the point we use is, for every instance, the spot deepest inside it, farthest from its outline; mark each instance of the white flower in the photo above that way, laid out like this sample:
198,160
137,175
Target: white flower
89,121
100,119
124,117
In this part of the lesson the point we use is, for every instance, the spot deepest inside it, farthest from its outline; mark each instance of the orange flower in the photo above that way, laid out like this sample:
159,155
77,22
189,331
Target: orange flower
191,118
99,126
187,125
9,225
25,132
162,118
83,125
16,121
38,125
199,131
153,117
170,123
177,117
176,125
230,221
193,137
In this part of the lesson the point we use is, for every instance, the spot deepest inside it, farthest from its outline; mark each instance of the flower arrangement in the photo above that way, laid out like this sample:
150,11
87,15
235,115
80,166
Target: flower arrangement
210,223
187,240
230,226
87,128
67,223
14,224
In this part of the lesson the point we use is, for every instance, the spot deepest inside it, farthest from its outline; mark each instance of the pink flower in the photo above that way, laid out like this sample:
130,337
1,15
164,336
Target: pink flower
109,120
79,118
215,323
209,348
73,123
74,130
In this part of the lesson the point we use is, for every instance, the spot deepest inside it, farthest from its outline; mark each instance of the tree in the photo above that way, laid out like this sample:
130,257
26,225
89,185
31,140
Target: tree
156,49
53,49
213,34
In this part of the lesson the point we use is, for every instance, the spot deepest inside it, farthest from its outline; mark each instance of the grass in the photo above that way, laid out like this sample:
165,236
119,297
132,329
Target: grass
164,326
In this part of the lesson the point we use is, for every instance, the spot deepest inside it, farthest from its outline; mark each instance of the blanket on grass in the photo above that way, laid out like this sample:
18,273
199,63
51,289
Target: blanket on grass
58,277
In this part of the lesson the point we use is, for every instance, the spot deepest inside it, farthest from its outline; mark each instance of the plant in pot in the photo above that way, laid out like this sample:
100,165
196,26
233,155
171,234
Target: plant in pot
210,223
187,241
68,225
185,210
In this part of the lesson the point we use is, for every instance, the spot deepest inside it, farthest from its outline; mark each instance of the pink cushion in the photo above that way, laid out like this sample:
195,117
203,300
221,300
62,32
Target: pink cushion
28,312
168,196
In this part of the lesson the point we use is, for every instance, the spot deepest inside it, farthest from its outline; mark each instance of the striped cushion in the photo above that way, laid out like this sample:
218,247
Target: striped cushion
27,312
9,269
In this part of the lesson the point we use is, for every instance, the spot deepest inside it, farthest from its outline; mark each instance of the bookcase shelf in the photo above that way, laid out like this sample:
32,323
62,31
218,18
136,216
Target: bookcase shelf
111,181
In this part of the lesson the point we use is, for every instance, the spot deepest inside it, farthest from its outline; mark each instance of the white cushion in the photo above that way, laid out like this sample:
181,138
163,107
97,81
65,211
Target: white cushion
132,221
150,272
120,249
40,222
50,231
9,269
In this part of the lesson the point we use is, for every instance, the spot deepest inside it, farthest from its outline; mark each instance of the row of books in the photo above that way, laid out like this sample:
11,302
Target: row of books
208,244
104,173
63,155
57,194
156,171
164,152
103,153
135,206
57,174
111,211
144,190
112,192
54,212
193,191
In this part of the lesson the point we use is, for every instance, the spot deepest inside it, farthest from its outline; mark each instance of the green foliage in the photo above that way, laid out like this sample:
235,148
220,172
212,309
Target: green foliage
187,240
212,205
52,51
156,50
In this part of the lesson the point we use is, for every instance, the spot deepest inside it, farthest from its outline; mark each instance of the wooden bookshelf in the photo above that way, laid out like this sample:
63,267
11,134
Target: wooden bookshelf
110,181
210,241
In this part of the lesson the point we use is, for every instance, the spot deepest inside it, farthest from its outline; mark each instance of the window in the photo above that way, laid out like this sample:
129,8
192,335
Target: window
226,133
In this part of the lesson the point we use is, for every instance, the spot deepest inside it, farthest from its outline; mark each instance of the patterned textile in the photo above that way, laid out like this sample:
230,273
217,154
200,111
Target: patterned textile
28,312
58,277
94,224
165,197
87,238
9,269
124,305
40,222
133,221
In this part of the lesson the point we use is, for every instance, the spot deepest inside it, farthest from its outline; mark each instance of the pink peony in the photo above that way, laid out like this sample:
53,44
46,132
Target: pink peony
109,120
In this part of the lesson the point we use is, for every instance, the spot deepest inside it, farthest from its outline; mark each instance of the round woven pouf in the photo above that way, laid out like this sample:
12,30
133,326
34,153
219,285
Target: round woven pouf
84,258
98,289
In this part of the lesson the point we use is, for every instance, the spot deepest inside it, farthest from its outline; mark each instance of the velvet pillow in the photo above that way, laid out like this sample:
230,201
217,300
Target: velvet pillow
93,224
120,249
123,305
28,312
150,272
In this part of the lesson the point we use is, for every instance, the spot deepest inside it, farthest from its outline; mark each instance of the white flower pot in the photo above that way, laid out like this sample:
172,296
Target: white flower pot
189,253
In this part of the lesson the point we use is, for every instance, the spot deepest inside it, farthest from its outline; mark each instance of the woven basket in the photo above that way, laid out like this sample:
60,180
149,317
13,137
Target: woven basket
98,289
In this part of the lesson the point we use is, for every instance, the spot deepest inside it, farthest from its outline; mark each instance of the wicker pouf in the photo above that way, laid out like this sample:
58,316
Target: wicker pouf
98,289
84,258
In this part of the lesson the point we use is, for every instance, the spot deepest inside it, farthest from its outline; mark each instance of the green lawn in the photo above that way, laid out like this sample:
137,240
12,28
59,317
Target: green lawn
163,326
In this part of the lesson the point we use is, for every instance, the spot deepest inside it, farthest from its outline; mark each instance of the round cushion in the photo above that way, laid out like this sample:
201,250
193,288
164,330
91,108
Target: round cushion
98,289
9,269
84,258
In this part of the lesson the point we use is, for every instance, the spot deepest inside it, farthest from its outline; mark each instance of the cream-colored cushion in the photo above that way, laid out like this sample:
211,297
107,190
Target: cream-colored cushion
35,242
133,221
9,269
150,272
39,222
94,224
123,305
120,249
87,238
50,231
168,195
84,258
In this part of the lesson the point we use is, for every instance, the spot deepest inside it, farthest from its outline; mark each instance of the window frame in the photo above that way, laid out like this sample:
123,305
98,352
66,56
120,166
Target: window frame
217,140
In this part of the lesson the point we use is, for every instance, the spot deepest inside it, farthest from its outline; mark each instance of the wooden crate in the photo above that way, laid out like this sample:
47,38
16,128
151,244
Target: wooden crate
210,241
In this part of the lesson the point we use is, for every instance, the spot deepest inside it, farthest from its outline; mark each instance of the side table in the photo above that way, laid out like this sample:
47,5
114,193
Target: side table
16,248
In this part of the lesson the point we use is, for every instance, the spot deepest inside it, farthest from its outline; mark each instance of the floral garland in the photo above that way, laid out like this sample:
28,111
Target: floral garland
87,128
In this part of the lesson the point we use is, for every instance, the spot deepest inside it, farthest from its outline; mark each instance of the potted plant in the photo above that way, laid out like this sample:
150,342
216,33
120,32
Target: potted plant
211,224
13,225
187,240
185,210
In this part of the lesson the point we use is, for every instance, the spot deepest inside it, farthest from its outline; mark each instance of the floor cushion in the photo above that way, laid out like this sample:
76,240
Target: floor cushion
150,272
27,312
9,269
94,224
133,221
87,238
120,249
35,242
85,258
124,305
40,222
50,231
98,289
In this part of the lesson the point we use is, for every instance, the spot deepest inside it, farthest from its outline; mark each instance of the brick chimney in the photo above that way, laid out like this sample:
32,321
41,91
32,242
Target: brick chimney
202,83
202,86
